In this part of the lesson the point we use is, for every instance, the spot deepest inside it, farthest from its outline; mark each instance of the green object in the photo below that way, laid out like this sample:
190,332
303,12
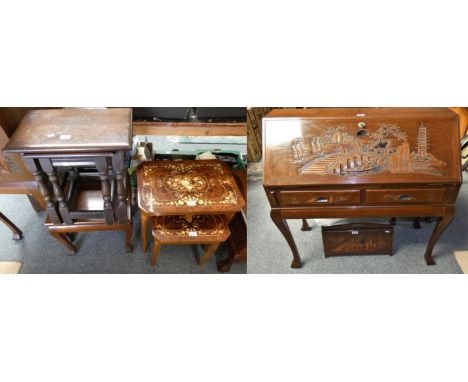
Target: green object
236,155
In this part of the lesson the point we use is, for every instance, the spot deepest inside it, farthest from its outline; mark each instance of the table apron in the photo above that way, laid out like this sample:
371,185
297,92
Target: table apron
361,212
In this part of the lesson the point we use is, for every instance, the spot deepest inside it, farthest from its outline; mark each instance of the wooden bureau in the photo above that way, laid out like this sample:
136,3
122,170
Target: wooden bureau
361,162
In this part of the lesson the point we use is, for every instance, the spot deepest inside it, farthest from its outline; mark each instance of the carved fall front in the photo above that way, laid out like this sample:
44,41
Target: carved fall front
337,152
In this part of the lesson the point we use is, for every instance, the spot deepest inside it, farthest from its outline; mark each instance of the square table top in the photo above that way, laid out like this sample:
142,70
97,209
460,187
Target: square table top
73,130
187,187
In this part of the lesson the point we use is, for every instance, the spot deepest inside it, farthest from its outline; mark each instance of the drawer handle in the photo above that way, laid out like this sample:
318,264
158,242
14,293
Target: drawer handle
321,200
405,197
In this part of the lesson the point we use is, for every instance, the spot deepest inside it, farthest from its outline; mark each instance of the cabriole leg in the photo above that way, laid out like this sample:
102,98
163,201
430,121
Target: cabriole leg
284,229
441,225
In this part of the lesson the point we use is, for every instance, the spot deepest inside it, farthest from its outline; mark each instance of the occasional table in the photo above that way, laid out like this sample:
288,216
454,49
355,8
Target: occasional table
203,187
78,158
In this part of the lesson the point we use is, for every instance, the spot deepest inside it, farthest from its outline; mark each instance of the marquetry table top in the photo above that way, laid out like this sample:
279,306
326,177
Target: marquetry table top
187,187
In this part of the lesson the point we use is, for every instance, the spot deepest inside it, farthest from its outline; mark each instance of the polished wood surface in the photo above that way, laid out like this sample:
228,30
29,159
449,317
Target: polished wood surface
361,162
77,130
462,113
360,146
61,232
78,159
357,239
210,230
186,188
189,128
190,228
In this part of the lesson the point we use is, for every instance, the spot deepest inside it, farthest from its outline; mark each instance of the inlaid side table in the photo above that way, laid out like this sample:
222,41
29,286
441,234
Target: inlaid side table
78,159
203,187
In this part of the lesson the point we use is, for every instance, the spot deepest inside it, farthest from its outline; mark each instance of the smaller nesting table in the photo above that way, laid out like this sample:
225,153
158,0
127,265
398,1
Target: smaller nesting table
203,187
209,230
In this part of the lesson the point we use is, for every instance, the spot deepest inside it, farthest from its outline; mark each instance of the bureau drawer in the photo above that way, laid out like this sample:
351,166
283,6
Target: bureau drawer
318,198
432,195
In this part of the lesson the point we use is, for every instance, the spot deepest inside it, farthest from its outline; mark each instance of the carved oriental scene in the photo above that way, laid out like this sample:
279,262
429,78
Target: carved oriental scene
385,150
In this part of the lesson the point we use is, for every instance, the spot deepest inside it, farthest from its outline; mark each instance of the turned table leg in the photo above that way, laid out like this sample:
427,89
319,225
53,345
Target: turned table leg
284,229
17,234
33,167
120,174
305,225
103,169
48,167
441,225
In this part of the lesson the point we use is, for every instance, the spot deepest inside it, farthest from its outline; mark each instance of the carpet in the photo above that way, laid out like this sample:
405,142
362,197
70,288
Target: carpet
97,252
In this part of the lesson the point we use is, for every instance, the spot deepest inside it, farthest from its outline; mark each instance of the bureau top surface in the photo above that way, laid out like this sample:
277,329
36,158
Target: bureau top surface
327,146
187,187
78,130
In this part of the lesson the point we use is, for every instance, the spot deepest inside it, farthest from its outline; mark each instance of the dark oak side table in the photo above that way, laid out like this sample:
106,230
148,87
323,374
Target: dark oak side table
189,187
78,159
359,163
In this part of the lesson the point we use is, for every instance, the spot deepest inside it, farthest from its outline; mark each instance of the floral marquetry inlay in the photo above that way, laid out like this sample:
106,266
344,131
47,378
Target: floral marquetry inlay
190,226
189,184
